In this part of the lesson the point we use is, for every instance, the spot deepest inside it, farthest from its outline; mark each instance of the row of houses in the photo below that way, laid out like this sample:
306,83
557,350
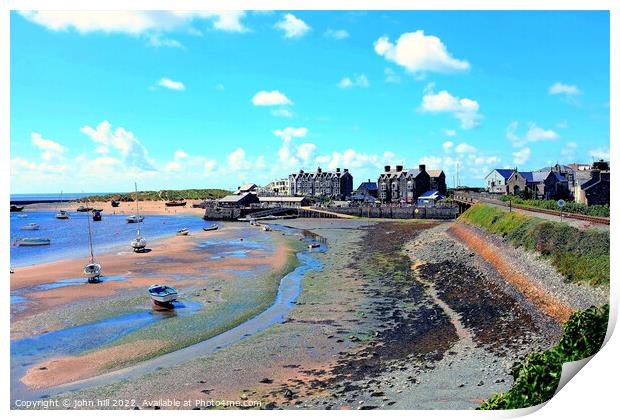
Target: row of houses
583,183
399,185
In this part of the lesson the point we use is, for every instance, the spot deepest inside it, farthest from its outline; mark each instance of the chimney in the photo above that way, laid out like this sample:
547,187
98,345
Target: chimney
422,168
346,170
368,179
337,169
387,168
399,168
319,170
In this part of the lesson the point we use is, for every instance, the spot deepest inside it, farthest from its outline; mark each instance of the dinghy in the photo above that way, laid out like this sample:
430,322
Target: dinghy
266,228
83,209
96,216
183,232
115,203
33,241
314,245
176,203
208,228
135,218
163,295
30,226
22,216
62,214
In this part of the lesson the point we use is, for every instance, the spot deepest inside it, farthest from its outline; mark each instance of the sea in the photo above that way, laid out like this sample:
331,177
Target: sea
69,238
17,198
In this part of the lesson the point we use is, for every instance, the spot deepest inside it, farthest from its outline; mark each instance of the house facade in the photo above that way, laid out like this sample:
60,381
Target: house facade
336,185
438,181
278,187
397,185
496,181
595,190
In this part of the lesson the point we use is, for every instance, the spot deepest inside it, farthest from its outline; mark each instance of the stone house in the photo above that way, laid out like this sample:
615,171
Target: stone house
398,185
595,190
496,181
438,181
336,185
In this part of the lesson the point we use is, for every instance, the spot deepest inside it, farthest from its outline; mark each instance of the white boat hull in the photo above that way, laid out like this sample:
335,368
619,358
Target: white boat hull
33,242
135,219
138,244
92,271
30,227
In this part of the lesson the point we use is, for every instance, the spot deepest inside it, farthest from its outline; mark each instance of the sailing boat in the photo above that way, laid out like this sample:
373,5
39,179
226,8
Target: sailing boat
62,214
139,243
92,270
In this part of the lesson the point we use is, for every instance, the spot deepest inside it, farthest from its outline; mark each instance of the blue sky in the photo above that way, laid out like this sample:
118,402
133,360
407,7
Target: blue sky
197,100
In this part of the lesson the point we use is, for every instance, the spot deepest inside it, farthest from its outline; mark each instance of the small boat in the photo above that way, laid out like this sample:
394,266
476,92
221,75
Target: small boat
135,218
16,208
92,272
266,228
33,241
83,209
62,214
22,216
163,295
176,203
252,222
115,203
212,227
96,216
30,226
139,243
183,232
313,245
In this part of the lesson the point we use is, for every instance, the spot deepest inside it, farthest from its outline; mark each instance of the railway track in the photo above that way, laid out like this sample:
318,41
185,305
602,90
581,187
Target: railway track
466,199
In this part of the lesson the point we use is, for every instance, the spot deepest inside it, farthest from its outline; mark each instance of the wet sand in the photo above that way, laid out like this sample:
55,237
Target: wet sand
145,207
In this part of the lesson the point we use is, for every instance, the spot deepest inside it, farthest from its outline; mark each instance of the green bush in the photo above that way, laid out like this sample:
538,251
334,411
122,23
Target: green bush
538,377
580,255
570,207
195,194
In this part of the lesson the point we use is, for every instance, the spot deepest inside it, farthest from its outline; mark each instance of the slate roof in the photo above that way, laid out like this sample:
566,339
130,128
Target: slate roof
370,186
431,194
504,172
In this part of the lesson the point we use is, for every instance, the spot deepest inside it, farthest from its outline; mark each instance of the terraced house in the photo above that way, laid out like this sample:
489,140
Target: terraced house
397,185
337,185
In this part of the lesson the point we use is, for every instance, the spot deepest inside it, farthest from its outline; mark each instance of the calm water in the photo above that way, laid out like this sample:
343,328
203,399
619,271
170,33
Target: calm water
48,197
70,237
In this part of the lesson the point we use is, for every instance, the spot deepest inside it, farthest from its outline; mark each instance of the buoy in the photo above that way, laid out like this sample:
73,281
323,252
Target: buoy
14,243
241,239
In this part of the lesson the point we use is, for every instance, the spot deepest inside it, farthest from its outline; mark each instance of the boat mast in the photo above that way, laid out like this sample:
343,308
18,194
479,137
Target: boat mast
90,240
137,209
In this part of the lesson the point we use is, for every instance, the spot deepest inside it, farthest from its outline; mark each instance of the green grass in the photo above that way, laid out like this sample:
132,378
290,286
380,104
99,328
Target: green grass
570,207
538,377
195,194
580,255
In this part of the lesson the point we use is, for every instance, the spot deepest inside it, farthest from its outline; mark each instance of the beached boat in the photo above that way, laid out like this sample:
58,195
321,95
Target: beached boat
314,245
266,228
212,227
16,208
92,270
62,214
176,203
96,216
139,242
163,295
83,209
115,203
33,241
183,232
134,218
30,226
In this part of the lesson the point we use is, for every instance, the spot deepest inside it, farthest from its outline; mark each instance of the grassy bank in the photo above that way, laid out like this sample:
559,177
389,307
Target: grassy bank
570,207
580,255
195,194
537,378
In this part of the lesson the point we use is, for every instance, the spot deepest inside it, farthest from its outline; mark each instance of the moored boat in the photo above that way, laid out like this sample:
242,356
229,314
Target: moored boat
183,232
83,209
30,226
33,241
92,272
211,227
176,203
62,214
15,208
22,216
139,242
135,218
163,295
96,216
266,228
314,245
115,203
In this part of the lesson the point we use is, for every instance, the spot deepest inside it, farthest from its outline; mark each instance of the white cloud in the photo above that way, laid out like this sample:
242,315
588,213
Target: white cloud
170,84
352,159
275,97
337,34
391,76
157,41
133,153
465,148
447,146
305,151
521,156
292,27
149,23
419,53
173,166
358,81
22,166
564,89
209,167
600,153
237,161
50,149
282,112
569,150
288,153
533,134
464,109
449,132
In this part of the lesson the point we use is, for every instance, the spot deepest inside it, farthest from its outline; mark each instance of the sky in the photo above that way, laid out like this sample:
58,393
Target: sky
171,100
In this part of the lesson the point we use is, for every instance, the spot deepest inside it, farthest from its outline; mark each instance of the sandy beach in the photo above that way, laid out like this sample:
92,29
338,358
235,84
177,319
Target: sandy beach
144,207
